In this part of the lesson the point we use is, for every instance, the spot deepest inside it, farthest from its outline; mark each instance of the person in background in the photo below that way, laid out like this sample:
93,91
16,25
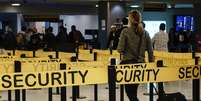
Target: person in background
62,36
133,43
9,39
21,38
50,39
160,43
118,33
160,39
35,40
183,44
172,40
110,43
75,35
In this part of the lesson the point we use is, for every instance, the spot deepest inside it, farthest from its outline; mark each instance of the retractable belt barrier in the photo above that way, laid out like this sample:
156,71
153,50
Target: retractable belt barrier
44,73
126,74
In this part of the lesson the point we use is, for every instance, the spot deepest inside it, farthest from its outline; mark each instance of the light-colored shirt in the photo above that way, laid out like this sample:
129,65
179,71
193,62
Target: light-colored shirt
160,41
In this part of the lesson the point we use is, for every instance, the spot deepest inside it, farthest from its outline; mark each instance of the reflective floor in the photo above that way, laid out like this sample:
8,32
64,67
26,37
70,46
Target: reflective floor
185,87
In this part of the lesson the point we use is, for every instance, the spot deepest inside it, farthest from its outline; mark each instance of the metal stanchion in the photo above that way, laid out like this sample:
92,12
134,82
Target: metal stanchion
57,56
17,70
151,95
196,85
121,87
34,53
9,91
76,89
50,89
121,92
9,95
111,81
14,52
160,84
63,89
49,94
95,86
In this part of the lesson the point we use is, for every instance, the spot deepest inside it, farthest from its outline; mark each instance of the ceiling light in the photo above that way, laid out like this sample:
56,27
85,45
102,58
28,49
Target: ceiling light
96,5
183,5
169,6
15,4
134,6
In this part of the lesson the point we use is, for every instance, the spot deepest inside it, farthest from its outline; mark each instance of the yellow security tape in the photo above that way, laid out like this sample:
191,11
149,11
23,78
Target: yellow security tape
145,75
53,78
48,65
125,74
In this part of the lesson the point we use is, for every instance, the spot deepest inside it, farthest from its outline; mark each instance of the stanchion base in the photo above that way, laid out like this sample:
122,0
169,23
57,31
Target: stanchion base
80,97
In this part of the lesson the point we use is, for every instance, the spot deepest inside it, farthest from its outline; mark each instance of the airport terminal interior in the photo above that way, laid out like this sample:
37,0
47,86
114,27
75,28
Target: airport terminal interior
39,38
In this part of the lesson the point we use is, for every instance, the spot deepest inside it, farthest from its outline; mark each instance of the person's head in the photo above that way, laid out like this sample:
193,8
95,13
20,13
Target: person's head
162,26
73,27
125,21
113,28
134,19
50,29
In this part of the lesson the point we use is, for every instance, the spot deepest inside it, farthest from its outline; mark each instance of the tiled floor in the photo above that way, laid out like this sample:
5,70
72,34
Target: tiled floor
184,87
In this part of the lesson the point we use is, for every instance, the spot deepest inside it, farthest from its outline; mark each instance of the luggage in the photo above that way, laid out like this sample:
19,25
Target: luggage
162,96
172,97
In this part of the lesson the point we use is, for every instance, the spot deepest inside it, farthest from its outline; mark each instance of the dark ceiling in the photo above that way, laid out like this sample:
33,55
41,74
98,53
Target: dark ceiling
92,1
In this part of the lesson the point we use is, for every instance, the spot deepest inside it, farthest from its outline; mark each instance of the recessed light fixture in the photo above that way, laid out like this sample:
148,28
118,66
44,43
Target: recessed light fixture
169,6
135,6
96,5
16,4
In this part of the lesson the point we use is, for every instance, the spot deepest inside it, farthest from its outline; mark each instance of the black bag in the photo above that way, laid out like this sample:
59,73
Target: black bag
172,97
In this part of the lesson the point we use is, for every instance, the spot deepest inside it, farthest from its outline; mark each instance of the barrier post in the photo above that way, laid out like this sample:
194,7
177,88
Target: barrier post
121,86
91,51
57,56
75,89
160,84
110,51
23,90
9,95
95,85
34,53
63,89
9,91
151,95
112,80
17,70
13,52
50,89
196,85
49,94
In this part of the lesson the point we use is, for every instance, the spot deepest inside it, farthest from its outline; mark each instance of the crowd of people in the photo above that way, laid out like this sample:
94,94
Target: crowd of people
30,39
180,41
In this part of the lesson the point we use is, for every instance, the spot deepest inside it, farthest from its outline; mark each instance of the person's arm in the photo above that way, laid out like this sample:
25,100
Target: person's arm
153,40
122,42
149,47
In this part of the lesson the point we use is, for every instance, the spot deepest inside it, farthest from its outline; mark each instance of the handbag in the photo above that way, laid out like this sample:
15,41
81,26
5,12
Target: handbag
172,97
178,96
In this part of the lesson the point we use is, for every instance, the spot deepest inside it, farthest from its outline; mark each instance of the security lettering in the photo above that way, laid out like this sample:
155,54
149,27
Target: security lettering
189,72
133,75
42,79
